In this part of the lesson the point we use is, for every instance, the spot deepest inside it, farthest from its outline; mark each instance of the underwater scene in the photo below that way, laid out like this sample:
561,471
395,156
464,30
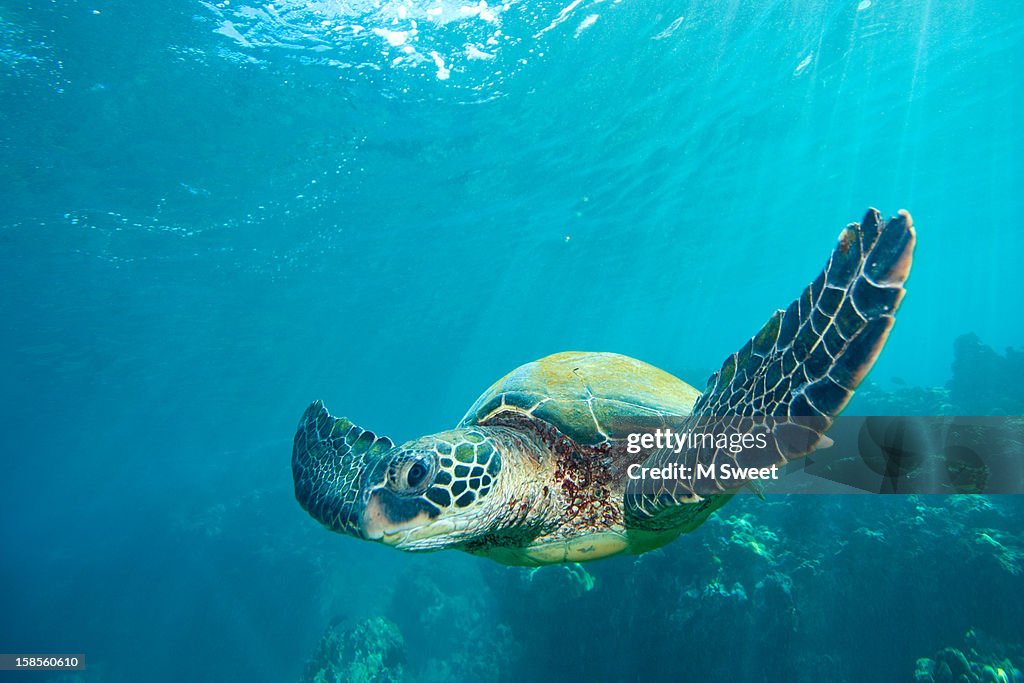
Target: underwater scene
214,213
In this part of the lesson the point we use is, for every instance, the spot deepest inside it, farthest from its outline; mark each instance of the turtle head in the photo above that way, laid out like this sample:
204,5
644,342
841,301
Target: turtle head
435,492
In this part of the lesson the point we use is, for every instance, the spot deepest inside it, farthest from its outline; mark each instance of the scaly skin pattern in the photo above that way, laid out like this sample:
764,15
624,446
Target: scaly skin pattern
490,487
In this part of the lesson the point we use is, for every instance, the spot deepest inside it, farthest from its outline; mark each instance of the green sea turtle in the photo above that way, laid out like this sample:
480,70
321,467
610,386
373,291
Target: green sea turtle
536,471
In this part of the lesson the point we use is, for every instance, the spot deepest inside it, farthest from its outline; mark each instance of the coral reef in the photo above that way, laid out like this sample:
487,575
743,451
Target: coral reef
980,660
985,382
440,612
994,542
372,651
871,399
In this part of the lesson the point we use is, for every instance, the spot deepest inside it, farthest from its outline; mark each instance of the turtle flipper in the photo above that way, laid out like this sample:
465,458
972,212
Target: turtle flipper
329,457
804,363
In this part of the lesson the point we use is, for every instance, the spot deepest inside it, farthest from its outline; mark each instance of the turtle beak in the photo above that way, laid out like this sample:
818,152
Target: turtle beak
389,518
373,522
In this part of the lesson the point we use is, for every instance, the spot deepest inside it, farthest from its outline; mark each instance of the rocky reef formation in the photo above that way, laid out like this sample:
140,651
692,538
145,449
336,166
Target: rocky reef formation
979,660
984,381
871,399
371,651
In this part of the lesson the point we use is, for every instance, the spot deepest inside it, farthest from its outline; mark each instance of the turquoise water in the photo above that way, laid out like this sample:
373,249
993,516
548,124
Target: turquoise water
213,214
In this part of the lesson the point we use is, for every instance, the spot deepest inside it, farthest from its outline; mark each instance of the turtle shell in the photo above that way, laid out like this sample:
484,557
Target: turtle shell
584,395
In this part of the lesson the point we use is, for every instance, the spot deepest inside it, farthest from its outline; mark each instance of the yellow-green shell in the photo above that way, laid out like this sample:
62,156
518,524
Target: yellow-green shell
583,393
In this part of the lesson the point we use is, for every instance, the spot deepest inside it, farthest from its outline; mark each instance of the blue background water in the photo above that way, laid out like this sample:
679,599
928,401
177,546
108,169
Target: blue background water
213,214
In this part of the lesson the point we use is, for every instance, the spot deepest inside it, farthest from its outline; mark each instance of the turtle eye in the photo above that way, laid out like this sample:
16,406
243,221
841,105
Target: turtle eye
410,471
416,474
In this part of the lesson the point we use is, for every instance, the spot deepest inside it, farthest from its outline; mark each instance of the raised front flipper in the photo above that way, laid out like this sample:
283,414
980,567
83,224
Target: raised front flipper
329,458
794,375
